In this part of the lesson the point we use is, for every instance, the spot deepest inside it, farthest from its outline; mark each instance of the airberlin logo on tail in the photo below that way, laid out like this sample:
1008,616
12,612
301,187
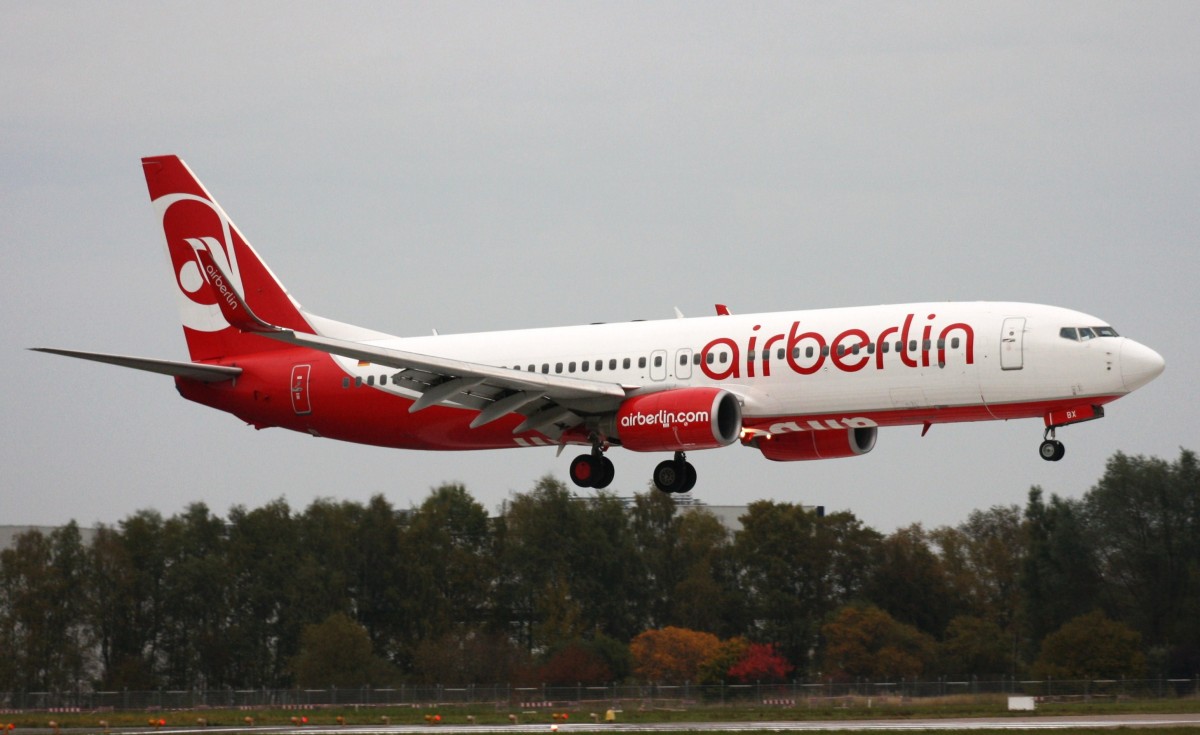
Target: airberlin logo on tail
664,418
192,223
850,351
223,290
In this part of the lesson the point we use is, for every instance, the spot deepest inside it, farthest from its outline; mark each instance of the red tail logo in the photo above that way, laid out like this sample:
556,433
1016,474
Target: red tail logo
193,221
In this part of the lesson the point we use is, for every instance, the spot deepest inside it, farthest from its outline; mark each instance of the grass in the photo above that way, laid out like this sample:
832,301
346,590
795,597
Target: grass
847,709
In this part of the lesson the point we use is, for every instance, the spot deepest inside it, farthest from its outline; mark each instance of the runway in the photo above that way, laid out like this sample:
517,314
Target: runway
982,723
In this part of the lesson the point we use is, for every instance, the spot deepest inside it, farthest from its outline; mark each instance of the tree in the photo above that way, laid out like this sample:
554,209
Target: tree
1058,576
795,568
44,629
866,641
715,670
1144,523
337,652
974,646
760,662
470,656
1091,646
983,559
671,654
910,583
572,663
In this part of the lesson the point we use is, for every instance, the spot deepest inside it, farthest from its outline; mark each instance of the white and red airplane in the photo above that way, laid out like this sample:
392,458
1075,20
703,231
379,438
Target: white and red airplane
796,385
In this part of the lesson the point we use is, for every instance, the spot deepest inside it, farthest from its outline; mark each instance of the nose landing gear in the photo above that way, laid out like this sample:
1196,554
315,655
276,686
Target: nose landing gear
1051,449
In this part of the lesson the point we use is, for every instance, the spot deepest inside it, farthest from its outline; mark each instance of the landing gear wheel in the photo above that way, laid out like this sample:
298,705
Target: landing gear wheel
585,470
675,475
690,481
1052,450
670,475
605,475
592,470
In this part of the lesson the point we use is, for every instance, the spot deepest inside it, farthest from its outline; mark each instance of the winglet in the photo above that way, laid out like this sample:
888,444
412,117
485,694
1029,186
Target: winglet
233,306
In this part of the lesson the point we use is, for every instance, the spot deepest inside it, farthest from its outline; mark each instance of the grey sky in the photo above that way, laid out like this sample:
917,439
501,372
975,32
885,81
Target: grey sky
480,166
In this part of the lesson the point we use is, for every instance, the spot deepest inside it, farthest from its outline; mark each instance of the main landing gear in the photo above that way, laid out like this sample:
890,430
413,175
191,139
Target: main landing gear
1051,449
592,470
675,475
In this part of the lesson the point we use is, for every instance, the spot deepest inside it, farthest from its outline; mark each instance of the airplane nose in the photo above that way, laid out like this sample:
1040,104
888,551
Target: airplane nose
1139,364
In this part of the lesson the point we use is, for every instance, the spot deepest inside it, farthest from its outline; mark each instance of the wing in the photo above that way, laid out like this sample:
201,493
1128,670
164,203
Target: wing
192,370
551,404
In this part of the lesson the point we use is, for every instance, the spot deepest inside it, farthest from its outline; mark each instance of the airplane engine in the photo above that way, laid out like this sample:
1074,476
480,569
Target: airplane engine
677,420
805,445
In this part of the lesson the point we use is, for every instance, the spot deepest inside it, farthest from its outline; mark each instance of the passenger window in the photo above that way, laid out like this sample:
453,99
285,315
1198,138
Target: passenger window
658,361
531,368
358,381
926,345
545,367
370,380
709,358
884,347
941,344
954,343
912,345
612,364
571,367
779,353
809,352
683,360
641,362
625,363
558,367
584,366
346,382
723,358
599,365
695,358
825,351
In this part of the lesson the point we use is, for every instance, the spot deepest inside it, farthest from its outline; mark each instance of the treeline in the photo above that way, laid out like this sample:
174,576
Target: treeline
556,588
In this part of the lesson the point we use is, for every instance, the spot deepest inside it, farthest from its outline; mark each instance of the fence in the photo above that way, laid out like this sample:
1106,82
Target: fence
797,693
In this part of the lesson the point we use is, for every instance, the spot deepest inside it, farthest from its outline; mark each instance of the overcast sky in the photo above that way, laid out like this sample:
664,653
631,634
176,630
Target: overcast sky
480,166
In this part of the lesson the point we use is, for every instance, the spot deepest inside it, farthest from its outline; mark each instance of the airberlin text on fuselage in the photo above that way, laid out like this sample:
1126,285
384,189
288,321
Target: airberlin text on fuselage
840,350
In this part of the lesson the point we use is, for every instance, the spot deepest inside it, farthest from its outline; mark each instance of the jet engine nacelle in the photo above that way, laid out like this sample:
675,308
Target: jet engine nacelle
805,445
677,420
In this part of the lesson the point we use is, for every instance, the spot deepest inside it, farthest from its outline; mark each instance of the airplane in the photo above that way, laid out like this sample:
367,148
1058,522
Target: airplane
799,385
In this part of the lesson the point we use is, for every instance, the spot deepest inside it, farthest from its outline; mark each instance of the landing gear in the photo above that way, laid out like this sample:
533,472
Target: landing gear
1051,449
592,470
675,475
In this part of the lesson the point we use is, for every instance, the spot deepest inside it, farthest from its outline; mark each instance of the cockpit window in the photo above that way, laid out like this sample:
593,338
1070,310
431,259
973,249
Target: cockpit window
1083,334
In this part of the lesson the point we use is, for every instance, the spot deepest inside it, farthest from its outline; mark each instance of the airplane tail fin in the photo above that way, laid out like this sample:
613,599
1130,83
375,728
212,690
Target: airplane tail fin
193,222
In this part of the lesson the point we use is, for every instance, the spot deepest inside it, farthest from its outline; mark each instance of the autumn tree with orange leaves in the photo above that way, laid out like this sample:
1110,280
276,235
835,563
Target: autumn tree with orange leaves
671,654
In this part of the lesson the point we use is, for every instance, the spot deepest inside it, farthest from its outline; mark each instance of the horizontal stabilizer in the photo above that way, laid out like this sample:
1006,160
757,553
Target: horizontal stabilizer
192,370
